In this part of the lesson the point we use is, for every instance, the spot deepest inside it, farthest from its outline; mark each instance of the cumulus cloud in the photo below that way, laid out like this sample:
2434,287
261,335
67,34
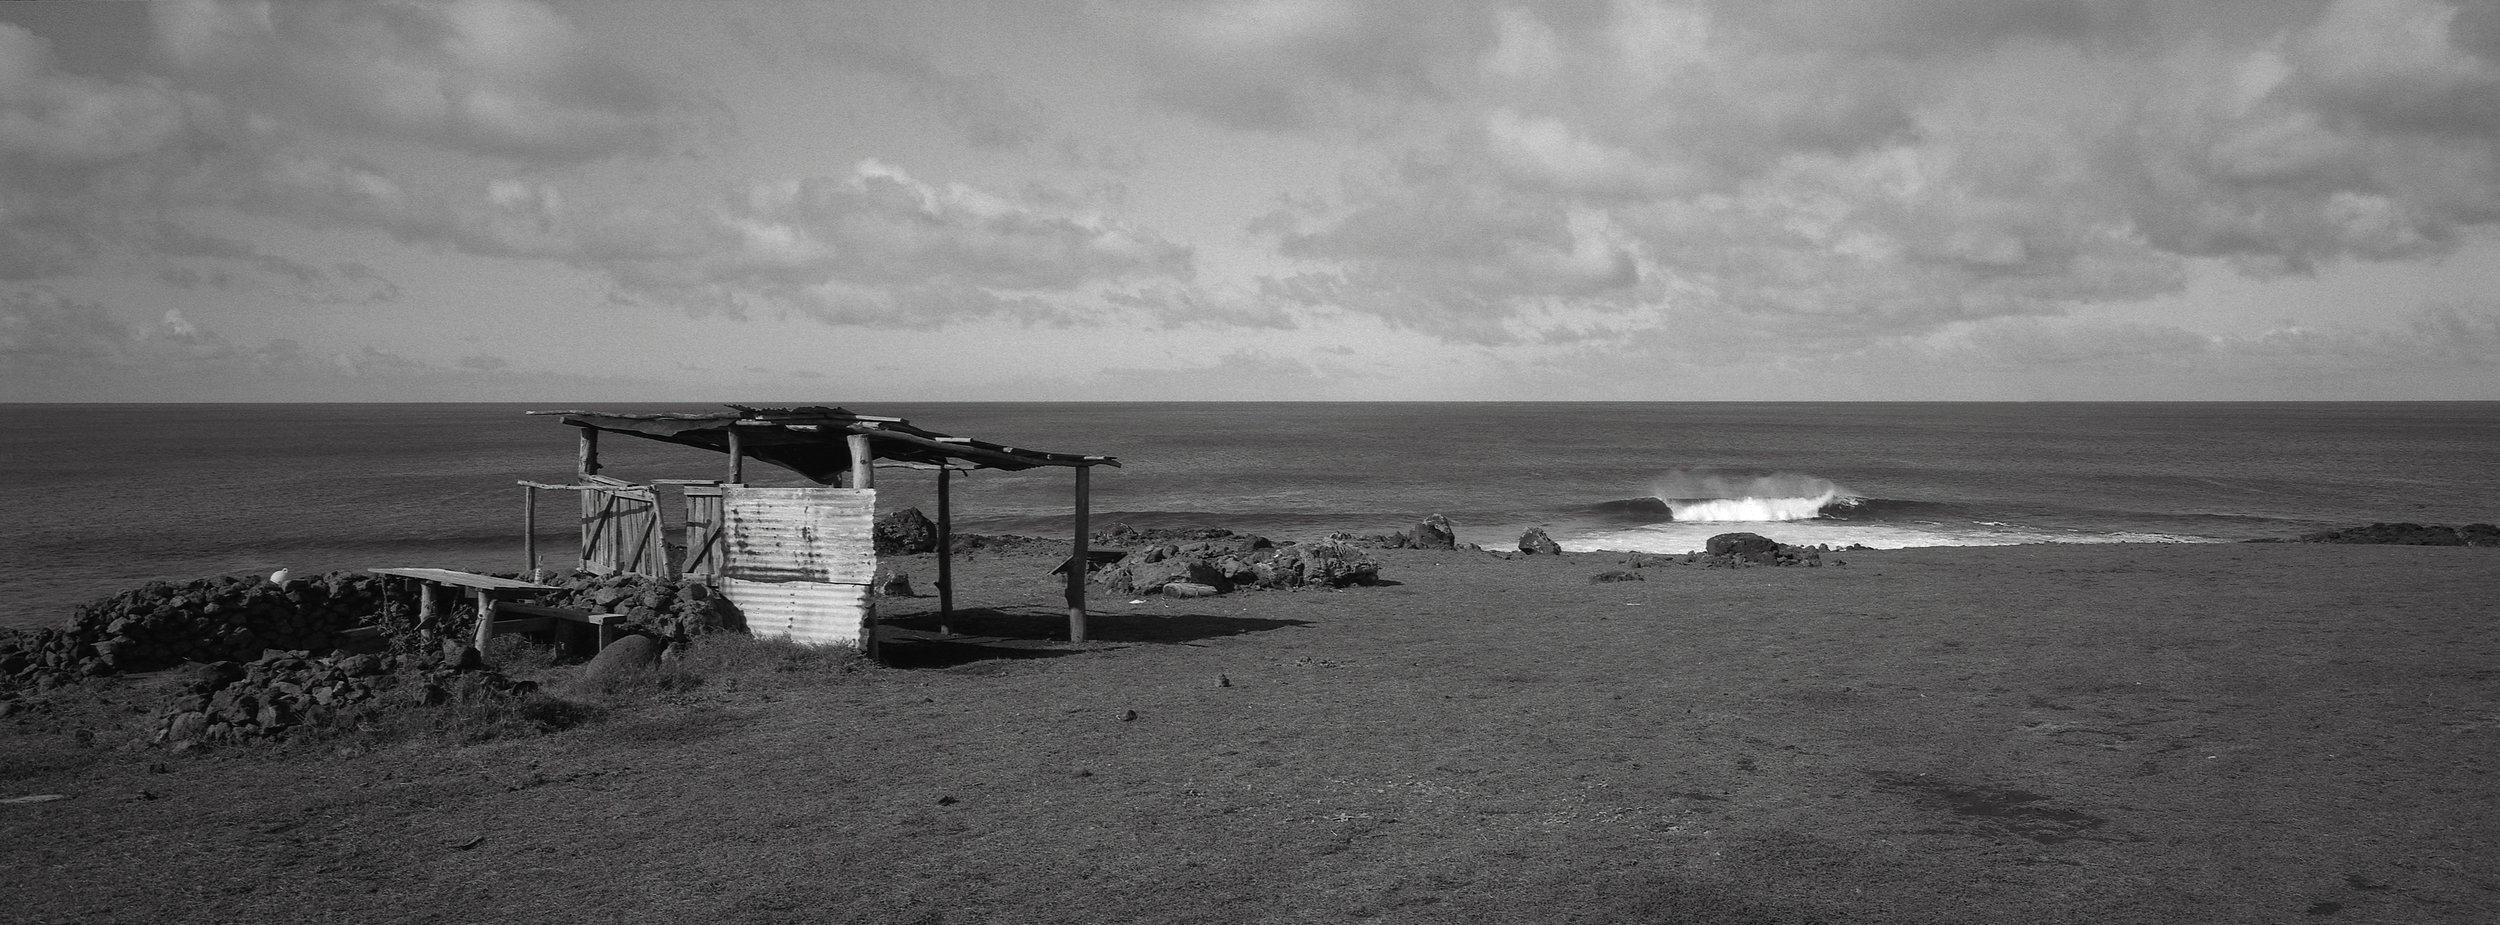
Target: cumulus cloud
1841,170
55,118
1281,65
507,78
880,247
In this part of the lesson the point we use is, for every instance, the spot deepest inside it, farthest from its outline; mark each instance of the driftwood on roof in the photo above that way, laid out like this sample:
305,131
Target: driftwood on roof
813,441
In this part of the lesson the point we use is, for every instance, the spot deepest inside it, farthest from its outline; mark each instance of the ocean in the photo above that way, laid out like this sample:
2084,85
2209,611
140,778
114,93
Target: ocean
102,497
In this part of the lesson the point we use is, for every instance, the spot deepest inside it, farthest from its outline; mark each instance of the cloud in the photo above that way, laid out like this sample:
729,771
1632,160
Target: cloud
41,325
1223,377
57,119
1754,175
57,348
505,78
989,111
879,247
1286,65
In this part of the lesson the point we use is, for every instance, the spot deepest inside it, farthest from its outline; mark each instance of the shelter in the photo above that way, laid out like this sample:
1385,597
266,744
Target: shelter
799,559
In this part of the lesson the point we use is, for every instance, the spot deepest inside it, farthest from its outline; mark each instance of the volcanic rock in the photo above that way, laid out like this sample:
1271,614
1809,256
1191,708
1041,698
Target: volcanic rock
905,532
1434,533
624,656
1535,542
1741,544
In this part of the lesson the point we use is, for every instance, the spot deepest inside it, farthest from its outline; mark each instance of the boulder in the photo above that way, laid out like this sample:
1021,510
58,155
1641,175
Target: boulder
895,585
905,532
1535,542
1434,533
1741,544
623,657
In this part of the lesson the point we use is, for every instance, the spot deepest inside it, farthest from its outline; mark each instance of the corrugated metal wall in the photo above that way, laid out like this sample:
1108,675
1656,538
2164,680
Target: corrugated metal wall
798,561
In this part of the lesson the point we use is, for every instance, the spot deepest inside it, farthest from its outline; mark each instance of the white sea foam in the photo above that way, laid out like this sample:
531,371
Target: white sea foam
1680,538
1701,496
1750,509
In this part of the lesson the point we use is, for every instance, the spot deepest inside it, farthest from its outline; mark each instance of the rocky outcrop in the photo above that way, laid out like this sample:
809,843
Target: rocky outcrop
166,623
283,694
1230,563
1324,564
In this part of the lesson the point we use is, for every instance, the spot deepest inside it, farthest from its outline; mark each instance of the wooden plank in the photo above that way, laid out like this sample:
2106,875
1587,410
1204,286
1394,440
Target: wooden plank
449,577
542,611
863,462
945,550
703,530
1076,573
595,550
529,529
526,624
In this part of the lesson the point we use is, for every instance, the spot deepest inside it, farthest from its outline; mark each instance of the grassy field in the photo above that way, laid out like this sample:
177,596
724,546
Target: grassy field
2226,733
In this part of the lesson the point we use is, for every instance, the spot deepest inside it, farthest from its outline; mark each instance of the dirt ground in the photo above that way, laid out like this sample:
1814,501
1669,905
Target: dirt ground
2178,733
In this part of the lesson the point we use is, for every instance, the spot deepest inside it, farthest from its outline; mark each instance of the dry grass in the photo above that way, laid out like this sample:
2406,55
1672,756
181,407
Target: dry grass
2126,734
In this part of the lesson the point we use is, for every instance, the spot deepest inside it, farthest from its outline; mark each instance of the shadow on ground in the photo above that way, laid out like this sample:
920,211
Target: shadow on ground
917,640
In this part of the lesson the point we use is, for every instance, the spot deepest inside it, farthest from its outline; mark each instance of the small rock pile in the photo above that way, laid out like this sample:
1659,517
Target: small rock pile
1225,561
287,692
165,623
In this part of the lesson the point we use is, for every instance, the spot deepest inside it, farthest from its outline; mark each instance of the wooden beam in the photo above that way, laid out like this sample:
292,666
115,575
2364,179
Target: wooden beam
529,529
485,620
737,458
1077,563
863,459
946,551
587,464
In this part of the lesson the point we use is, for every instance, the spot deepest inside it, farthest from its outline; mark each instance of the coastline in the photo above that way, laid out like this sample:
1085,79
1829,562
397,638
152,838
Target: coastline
2059,733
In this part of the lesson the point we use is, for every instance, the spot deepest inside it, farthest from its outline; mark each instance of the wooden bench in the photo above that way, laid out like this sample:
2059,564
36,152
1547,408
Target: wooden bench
491,603
536,618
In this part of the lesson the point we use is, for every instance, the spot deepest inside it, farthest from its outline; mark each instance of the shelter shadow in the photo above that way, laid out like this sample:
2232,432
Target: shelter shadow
1038,626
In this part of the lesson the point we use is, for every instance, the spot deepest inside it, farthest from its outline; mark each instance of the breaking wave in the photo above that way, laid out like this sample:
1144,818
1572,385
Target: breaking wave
1720,497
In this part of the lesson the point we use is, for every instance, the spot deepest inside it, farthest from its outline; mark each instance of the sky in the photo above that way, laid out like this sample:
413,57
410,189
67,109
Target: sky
816,202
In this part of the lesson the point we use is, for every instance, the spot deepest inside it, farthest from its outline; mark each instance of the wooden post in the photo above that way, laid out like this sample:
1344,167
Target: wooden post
529,530
737,458
485,620
1077,563
427,611
588,464
945,551
863,475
